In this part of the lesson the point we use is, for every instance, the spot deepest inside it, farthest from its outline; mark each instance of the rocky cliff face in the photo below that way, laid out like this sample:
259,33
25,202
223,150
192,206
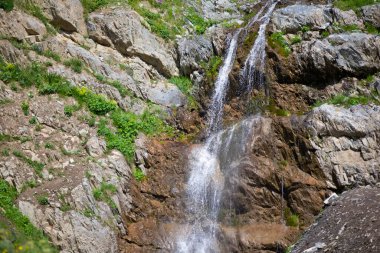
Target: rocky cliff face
95,181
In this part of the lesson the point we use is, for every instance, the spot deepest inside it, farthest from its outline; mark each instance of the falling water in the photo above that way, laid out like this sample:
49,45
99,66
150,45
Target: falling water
254,67
209,162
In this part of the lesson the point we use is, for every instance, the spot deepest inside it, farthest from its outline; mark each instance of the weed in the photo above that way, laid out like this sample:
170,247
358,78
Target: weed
185,85
352,4
292,219
89,213
7,5
49,145
139,175
347,101
68,110
25,108
277,41
52,55
104,193
37,166
5,152
33,120
42,200
305,29
212,66
296,39
75,64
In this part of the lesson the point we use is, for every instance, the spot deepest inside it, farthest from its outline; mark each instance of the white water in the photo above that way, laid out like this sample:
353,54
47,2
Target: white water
210,162
254,66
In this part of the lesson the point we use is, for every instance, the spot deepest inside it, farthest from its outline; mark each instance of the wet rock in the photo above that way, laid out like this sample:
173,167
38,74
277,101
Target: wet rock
371,14
123,27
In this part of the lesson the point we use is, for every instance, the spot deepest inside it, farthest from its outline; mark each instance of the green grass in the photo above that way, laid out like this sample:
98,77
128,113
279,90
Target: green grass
185,85
296,39
42,200
7,5
75,64
37,166
211,67
68,110
370,28
25,108
18,233
291,219
104,193
139,175
348,101
278,42
352,4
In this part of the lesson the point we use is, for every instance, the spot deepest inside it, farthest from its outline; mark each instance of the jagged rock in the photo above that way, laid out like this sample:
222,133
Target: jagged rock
123,27
338,55
346,143
346,18
65,14
371,14
11,53
350,224
95,146
192,52
20,26
220,9
292,18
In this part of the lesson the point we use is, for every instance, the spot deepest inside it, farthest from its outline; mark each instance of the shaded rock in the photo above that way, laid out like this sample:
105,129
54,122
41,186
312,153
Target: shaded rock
192,52
346,18
11,53
350,224
371,14
346,143
65,14
123,27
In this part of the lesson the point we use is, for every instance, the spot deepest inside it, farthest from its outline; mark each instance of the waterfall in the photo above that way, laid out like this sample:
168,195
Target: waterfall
210,162
254,66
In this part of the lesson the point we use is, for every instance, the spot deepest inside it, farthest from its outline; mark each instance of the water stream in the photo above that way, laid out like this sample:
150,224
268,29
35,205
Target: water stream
208,163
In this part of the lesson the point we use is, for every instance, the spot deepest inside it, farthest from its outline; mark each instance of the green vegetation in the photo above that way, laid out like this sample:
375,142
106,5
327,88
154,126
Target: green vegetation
296,39
139,175
291,219
167,19
42,200
7,5
104,193
119,86
68,110
25,108
128,125
347,100
305,29
75,64
278,42
52,55
185,85
372,29
212,66
49,145
18,234
38,167
33,120
352,4
350,28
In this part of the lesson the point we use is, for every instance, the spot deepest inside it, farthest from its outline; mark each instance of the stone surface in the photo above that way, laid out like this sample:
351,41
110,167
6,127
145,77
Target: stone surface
64,14
371,14
350,224
124,29
346,143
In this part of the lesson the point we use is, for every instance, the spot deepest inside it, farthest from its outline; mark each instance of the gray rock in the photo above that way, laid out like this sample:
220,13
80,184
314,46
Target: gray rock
124,29
354,54
346,145
220,9
65,14
346,17
292,18
371,14
192,52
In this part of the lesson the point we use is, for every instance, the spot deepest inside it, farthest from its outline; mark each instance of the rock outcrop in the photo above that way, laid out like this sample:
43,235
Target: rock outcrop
371,14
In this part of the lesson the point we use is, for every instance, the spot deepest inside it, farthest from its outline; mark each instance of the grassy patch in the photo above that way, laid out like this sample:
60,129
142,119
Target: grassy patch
139,175
211,67
348,101
25,108
7,5
278,42
104,193
75,64
185,85
19,233
352,4
291,219
37,166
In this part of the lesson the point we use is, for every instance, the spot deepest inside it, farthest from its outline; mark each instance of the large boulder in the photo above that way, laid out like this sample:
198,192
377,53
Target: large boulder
65,14
354,54
193,51
292,18
346,144
129,36
371,14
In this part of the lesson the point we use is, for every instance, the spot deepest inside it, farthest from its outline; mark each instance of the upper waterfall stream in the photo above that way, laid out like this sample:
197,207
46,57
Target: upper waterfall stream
208,162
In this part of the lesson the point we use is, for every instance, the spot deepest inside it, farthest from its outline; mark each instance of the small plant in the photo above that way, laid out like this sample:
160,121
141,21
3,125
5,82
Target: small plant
70,109
33,120
89,213
7,5
277,41
38,167
325,34
25,108
49,145
75,64
185,85
292,220
305,29
104,193
352,4
139,175
296,39
5,152
212,66
347,101
42,200
52,55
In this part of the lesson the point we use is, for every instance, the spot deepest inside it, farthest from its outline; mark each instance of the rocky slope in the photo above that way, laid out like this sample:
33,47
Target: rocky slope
95,181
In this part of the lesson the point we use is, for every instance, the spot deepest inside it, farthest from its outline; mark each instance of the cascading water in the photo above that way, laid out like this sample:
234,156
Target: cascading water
209,161
254,67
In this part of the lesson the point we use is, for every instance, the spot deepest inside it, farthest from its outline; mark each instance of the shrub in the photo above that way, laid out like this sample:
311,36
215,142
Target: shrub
33,120
199,23
98,104
70,109
292,220
7,5
296,39
75,64
277,41
25,108
139,175
42,200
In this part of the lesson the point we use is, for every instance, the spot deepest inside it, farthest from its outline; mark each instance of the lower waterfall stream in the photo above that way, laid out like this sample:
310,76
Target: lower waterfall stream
209,163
